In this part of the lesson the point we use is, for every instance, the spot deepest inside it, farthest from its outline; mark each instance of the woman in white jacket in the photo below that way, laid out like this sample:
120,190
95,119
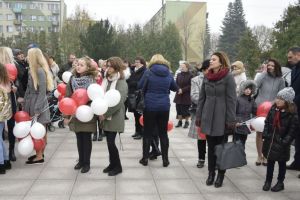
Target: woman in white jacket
238,71
196,84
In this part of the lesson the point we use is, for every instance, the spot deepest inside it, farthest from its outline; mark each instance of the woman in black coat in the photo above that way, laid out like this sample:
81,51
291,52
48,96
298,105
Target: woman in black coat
281,127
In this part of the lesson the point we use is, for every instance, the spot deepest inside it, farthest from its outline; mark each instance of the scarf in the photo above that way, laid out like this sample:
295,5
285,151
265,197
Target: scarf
81,82
110,80
217,76
276,121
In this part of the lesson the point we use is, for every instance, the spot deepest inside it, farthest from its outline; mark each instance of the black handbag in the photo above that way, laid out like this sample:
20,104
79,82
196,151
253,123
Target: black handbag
230,155
131,102
140,104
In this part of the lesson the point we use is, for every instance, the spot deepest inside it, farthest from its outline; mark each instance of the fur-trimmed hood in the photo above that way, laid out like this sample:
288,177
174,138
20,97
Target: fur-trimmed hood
246,84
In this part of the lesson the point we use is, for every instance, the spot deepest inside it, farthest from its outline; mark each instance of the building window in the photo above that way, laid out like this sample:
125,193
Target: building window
32,6
42,28
9,29
1,29
33,18
40,6
9,5
10,17
1,17
41,18
50,29
24,5
18,5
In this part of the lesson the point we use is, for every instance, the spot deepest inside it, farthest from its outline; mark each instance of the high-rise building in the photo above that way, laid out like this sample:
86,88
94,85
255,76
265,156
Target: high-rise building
190,20
24,15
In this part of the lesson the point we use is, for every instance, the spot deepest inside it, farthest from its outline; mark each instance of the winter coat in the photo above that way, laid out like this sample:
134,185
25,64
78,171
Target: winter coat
183,81
276,144
160,82
22,78
295,84
217,104
115,116
239,78
77,126
245,107
196,84
36,101
268,86
134,79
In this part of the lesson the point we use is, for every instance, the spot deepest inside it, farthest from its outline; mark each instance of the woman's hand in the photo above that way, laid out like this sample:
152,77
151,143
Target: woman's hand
179,91
14,89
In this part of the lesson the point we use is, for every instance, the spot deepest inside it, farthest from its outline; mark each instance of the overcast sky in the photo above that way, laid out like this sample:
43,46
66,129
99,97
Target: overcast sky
125,12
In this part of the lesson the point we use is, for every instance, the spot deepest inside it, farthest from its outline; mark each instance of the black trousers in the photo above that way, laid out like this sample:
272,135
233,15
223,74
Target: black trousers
84,146
201,149
281,171
99,127
114,158
11,122
213,141
138,126
296,161
156,122
241,138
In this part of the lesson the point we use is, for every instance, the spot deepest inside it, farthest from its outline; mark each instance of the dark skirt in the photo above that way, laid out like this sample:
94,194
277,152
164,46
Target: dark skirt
183,110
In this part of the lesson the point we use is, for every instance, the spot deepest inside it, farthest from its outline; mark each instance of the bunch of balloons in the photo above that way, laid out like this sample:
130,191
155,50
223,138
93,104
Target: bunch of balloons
30,135
262,112
77,104
170,123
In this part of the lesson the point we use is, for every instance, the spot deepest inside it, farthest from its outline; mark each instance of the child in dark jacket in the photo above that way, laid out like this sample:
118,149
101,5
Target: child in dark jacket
245,109
281,126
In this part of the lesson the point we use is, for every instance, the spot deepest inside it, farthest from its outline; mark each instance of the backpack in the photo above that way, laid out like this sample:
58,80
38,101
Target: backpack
5,106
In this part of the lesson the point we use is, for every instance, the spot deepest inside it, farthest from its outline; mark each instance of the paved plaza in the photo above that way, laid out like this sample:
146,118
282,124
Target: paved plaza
182,180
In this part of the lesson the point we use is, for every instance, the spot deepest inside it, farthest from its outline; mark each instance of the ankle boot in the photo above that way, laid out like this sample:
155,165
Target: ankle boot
278,187
186,124
7,164
219,181
12,156
211,178
267,186
144,161
179,124
2,169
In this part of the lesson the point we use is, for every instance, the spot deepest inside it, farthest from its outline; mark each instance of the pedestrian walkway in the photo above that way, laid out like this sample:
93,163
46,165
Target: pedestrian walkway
182,180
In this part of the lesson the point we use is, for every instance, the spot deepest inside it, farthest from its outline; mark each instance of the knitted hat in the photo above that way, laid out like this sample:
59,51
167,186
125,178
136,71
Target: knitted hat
287,94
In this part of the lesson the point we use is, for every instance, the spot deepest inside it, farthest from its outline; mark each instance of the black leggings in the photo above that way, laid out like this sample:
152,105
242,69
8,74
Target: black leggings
212,142
201,149
281,171
84,146
11,123
114,158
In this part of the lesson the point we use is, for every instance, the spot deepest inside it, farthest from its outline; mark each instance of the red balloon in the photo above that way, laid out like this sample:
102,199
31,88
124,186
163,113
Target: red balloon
39,145
12,71
141,120
67,106
170,125
22,116
80,96
60,97
263,109
62,88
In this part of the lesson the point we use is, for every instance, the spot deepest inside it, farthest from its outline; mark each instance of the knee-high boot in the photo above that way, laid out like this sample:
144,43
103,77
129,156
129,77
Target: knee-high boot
146,148
164,151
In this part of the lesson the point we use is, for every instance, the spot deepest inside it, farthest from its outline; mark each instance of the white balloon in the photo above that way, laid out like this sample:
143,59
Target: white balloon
66,76
56,93
112,97
258,124
95,91
22,129
37,131
25,146
99,106
84,113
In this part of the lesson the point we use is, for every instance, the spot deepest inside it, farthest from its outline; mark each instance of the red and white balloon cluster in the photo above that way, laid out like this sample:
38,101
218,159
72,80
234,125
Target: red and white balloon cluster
31,136
258,123
77,104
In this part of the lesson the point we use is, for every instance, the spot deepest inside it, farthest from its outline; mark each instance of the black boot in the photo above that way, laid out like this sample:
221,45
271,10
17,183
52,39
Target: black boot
95,137
2,169
267,186
155,152
100,138
219,181
164,151
179,124
146,148
211,178
186,124
278,187
12,156
115,171
7,164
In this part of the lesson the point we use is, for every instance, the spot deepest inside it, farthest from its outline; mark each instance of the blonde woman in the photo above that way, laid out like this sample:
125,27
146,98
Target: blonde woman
6,57
39,82
159,82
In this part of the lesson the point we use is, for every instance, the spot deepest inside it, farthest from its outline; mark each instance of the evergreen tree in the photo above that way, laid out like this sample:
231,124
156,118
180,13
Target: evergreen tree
287,32
234,26
249,52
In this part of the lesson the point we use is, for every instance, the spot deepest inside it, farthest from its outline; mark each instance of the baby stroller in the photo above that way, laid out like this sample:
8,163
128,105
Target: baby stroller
55,114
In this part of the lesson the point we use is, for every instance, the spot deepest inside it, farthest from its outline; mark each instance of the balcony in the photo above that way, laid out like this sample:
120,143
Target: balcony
17,10
55,12
55,23
17,22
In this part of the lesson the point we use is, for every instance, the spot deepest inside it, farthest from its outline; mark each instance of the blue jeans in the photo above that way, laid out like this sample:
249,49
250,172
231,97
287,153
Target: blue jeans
3,153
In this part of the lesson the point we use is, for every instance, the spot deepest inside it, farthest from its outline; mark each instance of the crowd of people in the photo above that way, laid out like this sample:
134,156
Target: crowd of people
215,102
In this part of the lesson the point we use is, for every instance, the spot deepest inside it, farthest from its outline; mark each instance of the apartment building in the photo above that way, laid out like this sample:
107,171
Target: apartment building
190,20
25,15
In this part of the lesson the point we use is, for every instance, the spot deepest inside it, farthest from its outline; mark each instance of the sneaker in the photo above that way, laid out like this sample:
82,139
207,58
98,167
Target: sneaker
186,124
200,163
30,162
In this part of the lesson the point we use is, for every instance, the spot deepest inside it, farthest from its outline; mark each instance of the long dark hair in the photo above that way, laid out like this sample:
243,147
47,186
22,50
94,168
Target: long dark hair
277,67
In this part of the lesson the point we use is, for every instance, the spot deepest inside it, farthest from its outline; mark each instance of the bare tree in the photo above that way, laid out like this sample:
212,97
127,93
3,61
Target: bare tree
264,35
214,41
